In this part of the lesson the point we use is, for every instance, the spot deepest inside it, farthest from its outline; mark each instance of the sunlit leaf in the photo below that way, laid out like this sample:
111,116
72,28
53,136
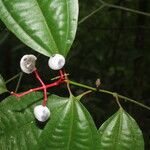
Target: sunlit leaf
47,26
121,132
71,128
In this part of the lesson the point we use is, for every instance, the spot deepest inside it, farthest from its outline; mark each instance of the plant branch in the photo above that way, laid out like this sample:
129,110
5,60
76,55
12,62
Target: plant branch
109,92
117,99
125,8
55,78
114,94
133,101
13,78
18,84
105,4
91,14
68,85
83,94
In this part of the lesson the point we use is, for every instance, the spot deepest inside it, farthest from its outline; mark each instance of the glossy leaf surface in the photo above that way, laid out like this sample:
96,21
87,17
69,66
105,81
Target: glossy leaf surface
18,130
3,88
18,127
121,132
71,128
47,26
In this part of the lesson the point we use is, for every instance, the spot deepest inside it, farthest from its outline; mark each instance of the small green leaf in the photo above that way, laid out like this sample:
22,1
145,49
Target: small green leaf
47,26
71,128
3,88
121,132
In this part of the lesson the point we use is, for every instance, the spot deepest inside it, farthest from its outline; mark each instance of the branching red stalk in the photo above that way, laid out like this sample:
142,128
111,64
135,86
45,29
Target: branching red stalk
44,86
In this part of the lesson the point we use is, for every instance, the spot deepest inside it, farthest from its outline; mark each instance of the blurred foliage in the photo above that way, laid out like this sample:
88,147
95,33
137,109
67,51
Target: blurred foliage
112,45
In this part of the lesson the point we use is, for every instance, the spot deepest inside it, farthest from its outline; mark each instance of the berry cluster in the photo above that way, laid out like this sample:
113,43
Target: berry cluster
27,65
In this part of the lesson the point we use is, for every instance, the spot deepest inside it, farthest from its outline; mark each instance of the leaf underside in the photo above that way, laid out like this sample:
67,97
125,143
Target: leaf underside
47,26
121,132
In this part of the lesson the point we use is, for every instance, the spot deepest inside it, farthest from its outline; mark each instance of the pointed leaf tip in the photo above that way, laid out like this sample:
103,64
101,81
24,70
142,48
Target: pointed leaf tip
121,132
47,26
72,128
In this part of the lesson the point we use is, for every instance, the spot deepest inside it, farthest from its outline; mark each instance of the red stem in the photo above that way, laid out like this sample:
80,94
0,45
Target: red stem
43,87
27,92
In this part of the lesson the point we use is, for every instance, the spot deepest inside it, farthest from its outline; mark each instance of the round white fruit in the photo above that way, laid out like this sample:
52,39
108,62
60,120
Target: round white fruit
56,62
27,63
41,113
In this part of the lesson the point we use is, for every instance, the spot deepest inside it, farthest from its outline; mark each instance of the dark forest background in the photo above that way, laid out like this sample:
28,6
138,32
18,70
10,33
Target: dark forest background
113,45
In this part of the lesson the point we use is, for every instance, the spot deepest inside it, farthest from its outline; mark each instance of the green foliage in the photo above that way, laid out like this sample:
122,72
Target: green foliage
47,26
17,125
70,126
121,132
3,88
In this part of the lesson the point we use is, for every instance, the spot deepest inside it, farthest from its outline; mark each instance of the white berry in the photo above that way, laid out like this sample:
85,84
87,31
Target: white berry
27,63
41,113
56,62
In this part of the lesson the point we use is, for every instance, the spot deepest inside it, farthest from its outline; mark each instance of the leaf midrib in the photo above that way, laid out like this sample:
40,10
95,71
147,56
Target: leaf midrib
119,129
71,126
46,24
26,33
68,24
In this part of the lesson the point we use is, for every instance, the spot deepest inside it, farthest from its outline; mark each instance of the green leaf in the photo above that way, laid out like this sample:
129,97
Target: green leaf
121,132
3,88
18,128
71,128
47,26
